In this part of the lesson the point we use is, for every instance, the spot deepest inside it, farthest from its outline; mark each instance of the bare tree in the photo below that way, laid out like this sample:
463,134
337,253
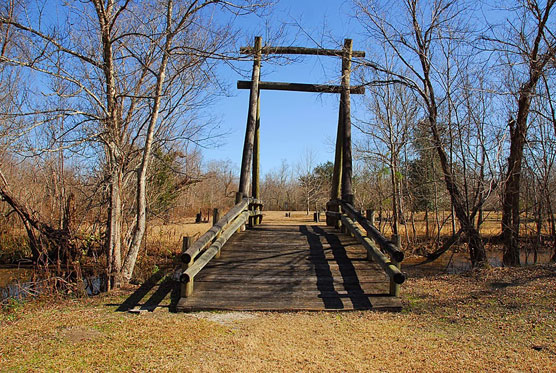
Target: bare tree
393,111
415,40
132,72
525,44
309,183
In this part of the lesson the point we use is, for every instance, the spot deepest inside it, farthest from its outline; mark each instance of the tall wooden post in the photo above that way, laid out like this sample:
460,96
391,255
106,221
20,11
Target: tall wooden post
251,121
347,191
255,188
337,175
333,205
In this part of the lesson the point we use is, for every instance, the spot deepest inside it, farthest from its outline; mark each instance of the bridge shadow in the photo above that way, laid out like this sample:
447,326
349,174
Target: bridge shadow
325,278
159,291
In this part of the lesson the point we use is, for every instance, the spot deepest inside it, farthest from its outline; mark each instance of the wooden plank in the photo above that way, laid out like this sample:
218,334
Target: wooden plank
300,50
300,87
385,303
231,281
291,268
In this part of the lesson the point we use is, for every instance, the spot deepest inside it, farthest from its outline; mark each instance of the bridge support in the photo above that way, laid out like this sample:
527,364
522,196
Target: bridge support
342,177
248,144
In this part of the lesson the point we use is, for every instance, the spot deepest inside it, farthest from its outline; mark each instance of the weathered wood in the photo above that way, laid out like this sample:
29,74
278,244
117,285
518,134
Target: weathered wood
186,243
392,250
337,173
206,238
300,50
186,289
300,87
215,216
251,121
291,268
347,192
189,274
255,188
370,215
287,304
386,264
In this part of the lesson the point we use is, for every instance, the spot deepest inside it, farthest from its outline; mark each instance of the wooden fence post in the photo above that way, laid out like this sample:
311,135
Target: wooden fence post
215,218
370,215
394,287
187,288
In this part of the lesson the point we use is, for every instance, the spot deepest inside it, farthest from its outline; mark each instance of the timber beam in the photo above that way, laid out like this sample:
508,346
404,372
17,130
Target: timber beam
300,50
300,87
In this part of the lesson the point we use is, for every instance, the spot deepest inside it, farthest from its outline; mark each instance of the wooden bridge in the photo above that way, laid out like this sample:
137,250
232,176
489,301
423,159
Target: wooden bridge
242,263
289,266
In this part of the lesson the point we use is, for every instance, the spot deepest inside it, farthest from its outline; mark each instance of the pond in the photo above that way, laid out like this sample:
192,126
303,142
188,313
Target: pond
459,262
15,282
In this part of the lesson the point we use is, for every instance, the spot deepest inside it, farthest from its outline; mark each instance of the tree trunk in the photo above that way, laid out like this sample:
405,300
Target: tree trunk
427,231
131,257
114,243
552,226
395,222
510,204
477,251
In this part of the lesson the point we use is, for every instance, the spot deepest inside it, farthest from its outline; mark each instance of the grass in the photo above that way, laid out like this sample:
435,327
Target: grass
501,319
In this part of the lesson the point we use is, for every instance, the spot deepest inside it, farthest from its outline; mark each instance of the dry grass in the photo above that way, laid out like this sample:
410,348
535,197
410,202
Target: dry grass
491,226
494,320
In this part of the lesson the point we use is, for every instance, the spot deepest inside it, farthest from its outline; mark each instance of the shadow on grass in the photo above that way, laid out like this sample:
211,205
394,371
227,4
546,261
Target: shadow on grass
152,294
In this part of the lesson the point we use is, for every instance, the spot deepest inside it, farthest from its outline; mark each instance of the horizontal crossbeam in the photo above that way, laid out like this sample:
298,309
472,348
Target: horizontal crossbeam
301,87
300,50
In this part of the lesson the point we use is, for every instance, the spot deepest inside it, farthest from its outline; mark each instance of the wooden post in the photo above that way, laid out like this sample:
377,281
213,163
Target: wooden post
394,287
337,174
215,218
187,288
255,189
347,192
251,121
370,214
333,205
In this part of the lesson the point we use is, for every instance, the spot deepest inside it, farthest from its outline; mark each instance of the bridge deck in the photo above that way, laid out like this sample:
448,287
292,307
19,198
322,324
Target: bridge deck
291,268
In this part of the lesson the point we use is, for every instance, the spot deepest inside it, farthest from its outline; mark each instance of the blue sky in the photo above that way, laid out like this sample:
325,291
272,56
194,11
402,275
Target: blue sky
292,123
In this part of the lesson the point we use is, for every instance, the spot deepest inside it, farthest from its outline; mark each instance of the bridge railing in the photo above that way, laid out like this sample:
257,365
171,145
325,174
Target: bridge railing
208,246
376,244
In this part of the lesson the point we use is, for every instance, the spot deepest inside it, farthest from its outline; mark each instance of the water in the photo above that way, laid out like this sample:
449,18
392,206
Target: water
16,283
454,263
